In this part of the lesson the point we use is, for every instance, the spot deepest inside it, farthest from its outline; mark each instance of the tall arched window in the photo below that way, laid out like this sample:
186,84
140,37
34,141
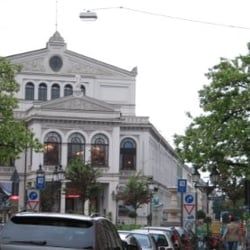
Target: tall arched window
52,149
29,91
55,91
42,92
68,90
128,154
83,89
99,150
76,147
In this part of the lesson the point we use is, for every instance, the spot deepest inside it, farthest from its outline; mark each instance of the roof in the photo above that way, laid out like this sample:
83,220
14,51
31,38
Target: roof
59,215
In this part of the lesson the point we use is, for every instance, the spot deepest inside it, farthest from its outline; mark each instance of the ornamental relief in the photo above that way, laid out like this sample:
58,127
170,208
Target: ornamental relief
86,128
36,65
79,68
78,104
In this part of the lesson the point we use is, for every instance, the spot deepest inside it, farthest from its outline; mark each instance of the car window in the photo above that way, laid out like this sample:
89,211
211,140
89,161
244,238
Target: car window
59,232
143,239
160,239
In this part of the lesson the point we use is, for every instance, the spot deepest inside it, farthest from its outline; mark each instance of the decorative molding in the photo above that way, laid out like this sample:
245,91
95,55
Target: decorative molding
36,65
78,67
76,104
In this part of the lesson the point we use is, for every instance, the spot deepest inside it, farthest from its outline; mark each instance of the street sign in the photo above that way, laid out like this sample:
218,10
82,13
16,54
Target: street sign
182,185
33,199
40,182
189,211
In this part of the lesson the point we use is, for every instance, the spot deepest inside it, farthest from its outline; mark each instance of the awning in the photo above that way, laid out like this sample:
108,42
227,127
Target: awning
6,187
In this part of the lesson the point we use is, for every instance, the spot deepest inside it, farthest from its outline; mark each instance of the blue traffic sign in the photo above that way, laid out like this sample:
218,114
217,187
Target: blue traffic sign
33,196
182,185
189,199
40,182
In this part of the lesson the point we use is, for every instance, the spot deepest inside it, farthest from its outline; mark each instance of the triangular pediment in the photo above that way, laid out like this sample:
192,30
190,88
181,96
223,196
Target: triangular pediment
39,61
77,103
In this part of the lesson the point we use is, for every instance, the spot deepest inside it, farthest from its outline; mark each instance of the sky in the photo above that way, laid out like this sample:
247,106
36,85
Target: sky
173,43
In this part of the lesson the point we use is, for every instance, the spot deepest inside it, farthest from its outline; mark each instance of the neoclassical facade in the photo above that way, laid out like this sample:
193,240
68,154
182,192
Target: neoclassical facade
81,107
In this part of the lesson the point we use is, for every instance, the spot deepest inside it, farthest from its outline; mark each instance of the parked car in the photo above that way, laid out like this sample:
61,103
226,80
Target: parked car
162,239
146,241
43,231
130,239
173,234
123,233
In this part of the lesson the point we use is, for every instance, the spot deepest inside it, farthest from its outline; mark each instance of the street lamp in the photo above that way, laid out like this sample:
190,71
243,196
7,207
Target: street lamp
152,189
207,189
40,178
88,15
58,173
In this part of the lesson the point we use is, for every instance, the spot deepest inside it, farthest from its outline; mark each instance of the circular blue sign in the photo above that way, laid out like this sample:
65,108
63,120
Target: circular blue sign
189,199
33,195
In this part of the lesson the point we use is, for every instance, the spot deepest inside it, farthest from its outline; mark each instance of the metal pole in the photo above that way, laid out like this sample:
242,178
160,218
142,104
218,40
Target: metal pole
181,209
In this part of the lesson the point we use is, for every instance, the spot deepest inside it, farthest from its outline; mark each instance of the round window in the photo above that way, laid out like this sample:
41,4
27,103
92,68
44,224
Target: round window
55,63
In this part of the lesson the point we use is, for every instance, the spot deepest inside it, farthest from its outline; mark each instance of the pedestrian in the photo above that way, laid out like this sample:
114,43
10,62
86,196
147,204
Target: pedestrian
232,234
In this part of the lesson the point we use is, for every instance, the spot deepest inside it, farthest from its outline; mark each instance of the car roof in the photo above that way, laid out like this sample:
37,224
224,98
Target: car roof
58,215
158,228
156,231
140,231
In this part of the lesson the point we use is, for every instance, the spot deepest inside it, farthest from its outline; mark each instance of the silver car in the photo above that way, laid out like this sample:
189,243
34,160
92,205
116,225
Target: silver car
145,240
43,231
162,239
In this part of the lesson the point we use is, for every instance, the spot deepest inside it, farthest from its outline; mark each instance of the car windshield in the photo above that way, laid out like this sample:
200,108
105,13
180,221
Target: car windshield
57,232
143,239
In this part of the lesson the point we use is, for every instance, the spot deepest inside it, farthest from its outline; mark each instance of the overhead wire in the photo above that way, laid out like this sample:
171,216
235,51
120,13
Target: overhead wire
176,17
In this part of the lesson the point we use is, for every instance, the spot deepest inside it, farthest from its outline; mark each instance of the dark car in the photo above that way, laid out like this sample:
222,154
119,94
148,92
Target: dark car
45,231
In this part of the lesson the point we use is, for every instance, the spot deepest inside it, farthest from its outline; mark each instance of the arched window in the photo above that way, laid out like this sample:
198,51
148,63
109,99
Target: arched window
42,92
52,149
99,150
76,147
29,91
55,91
128,154
68,90
83,89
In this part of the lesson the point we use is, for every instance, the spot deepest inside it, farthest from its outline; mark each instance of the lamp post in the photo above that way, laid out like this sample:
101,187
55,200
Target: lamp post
58,177
40,178
207,189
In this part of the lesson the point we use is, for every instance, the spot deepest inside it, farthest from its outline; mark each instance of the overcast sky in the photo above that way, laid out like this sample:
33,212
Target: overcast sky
168,40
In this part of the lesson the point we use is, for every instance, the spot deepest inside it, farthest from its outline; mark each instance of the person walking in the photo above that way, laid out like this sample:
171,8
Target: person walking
232,235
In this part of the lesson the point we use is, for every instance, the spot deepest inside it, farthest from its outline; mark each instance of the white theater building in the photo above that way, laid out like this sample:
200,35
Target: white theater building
76,104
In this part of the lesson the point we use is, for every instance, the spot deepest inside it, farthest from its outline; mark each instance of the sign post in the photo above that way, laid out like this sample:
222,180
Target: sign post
182,188
189,210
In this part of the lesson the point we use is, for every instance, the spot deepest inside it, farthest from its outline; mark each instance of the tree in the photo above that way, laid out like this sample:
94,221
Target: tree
14,135
135,193
83,178
219,138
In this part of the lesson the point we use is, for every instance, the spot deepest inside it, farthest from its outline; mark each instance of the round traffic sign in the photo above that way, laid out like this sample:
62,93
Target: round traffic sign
33,195
189,198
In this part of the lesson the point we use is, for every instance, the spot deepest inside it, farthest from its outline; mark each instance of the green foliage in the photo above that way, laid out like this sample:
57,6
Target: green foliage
83,178
135,193
201,214
220,137
14,136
